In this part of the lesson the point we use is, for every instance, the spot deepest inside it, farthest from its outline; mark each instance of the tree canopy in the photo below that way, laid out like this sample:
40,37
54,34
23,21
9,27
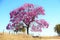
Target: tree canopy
27,14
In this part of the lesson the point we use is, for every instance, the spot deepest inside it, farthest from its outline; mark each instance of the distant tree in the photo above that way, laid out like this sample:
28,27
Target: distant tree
19,27
27,14
3,31
57,29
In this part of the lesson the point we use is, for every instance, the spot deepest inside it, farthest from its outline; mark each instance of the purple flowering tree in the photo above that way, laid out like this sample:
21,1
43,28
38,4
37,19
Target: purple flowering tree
27,14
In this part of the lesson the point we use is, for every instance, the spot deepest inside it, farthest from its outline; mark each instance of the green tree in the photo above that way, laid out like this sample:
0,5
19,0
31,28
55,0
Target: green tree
57,29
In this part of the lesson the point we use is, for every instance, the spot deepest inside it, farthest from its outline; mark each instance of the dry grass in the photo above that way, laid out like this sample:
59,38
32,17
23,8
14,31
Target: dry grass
7,36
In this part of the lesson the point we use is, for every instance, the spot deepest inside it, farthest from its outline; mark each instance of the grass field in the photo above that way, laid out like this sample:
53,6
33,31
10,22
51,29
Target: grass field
7,36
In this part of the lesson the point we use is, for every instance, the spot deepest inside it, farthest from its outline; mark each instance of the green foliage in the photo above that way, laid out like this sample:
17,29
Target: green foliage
23,30
57,28
20,28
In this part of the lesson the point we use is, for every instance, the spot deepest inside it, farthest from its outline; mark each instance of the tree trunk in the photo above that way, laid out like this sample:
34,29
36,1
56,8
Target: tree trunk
58,33
28,30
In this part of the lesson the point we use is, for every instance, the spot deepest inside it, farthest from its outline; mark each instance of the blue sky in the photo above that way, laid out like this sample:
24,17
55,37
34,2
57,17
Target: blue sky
52,11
